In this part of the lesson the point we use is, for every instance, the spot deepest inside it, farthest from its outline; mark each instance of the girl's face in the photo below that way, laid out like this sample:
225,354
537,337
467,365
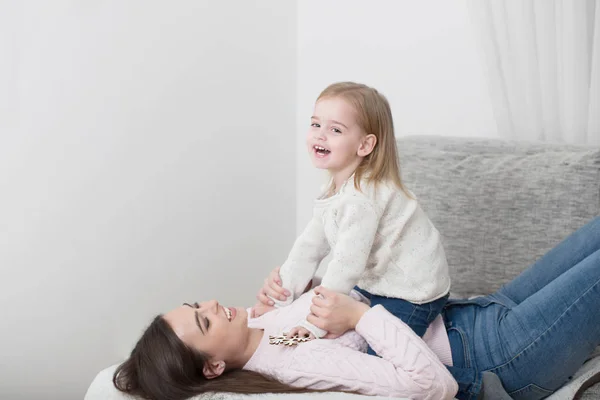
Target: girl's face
335,141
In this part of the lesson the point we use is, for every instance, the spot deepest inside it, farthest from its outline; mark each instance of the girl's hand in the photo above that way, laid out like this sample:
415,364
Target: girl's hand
272,287
300,332
335,312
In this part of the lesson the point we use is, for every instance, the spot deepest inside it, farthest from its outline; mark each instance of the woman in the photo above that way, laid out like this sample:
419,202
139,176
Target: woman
545,317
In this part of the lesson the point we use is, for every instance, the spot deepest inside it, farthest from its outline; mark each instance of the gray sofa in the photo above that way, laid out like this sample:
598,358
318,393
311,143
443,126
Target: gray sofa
499,206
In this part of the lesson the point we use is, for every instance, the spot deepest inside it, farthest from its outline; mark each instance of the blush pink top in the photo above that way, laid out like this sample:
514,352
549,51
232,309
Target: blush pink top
408,367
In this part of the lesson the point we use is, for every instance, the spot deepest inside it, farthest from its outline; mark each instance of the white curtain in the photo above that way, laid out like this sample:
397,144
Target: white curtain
542,61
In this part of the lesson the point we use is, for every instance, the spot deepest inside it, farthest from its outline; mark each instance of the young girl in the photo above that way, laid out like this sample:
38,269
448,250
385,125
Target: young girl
379,237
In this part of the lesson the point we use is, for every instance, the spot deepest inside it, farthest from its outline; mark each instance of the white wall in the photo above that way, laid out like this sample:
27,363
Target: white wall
146,158
420,54
148,152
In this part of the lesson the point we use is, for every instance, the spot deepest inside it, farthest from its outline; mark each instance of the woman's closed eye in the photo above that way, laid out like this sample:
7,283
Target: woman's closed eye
197,315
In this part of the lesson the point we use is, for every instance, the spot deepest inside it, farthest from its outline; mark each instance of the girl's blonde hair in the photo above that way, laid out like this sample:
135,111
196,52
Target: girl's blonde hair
374,116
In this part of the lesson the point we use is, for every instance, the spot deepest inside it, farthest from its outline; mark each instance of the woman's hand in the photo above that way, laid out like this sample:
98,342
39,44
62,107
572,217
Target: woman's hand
335,312
260,309
272,287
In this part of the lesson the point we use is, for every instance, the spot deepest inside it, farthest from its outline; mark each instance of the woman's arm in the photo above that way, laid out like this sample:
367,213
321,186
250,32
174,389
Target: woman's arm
407,367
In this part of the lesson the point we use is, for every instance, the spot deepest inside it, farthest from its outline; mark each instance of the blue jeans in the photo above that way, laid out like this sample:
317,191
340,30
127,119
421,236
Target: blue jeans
537,330
416,316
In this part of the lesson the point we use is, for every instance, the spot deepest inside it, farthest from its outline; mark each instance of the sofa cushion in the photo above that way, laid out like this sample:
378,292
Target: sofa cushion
499,205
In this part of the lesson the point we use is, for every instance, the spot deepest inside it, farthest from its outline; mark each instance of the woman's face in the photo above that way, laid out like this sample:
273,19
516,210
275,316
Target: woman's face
210,328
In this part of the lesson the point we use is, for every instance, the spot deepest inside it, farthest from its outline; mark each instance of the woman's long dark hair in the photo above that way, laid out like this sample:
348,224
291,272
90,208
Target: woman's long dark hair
162,367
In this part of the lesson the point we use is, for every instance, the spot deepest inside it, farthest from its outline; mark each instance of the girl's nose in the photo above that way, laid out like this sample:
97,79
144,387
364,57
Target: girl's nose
319,134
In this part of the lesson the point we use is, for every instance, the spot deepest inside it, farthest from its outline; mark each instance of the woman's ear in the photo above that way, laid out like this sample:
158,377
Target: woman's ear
367,145
213,369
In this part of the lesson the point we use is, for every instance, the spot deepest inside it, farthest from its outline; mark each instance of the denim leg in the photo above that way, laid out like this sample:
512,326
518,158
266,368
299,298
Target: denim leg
463,370
416,316
565,255
550,334
413,315
436,307
459,320
537,330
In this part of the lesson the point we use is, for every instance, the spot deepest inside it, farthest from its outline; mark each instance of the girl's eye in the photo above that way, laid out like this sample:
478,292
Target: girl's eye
336,130
315,125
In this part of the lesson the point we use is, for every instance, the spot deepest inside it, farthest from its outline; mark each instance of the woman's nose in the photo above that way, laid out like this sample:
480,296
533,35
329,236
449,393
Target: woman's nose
214,306
211,306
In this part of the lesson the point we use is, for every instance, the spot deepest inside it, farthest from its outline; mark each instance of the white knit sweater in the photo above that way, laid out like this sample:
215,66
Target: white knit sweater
381,241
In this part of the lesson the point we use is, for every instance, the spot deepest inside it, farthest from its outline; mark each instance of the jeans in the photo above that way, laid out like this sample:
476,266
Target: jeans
537,330
416,316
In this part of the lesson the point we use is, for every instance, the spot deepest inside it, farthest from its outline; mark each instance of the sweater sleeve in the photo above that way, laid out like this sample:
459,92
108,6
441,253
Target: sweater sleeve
308,251
407,367
357,226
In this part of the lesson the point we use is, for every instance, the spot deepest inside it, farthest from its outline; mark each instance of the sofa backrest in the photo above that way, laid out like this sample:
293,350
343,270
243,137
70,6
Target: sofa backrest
499,205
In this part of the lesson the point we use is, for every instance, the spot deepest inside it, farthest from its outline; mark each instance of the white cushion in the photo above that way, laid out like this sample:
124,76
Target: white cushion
102,388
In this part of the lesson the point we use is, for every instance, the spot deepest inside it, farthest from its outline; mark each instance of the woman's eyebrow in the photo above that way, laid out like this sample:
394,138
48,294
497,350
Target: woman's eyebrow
196,315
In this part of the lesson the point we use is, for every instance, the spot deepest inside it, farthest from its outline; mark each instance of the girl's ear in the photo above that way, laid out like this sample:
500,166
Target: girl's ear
213,369
367,145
